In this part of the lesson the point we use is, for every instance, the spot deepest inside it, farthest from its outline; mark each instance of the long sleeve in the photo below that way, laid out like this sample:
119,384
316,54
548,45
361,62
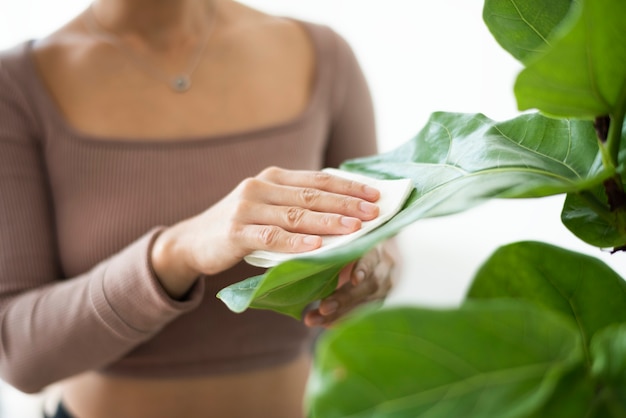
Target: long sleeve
53,327
353,127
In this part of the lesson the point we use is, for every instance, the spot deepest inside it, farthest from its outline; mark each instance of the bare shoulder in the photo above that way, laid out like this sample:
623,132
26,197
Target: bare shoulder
266,29
67,43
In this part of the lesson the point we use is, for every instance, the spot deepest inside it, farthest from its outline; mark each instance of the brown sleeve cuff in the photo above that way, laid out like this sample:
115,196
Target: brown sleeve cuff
128,296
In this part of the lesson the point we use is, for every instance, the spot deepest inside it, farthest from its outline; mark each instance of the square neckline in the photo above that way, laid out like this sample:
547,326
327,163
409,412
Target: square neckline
54,112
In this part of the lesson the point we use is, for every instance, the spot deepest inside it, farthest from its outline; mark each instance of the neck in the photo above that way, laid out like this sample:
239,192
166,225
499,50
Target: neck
163,23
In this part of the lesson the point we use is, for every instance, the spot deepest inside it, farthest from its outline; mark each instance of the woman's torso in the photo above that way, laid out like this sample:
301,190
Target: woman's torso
135,140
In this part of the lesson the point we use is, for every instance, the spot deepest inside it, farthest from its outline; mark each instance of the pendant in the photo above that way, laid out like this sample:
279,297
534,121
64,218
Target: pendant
181,83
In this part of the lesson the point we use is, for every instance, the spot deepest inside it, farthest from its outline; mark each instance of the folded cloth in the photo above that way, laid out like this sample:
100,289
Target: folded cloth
393,194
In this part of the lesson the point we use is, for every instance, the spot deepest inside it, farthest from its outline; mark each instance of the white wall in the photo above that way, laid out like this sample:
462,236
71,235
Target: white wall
419,57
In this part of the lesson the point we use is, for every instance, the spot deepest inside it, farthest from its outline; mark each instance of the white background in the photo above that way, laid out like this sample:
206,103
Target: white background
419,57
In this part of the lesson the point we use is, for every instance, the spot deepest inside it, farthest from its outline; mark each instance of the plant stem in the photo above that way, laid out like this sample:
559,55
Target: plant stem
615,128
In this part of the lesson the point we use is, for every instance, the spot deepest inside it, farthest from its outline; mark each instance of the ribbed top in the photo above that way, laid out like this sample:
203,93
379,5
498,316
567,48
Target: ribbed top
78,215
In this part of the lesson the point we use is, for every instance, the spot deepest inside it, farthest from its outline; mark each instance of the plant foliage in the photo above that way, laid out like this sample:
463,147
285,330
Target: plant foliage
543,330
456,162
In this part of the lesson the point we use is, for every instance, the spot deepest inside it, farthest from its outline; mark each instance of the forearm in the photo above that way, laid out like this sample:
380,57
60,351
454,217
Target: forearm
85,322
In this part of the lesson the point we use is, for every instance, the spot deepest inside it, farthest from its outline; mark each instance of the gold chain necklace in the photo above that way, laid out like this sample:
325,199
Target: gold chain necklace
180,82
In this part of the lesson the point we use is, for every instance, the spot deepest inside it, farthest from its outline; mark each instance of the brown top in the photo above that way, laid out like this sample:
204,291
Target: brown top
78,215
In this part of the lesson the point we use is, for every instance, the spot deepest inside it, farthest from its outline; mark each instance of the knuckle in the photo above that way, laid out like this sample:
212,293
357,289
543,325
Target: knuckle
294,216
347,203
321,179
371,260
292,241
249,185
270,172
328,220
268,235
354,185
309,196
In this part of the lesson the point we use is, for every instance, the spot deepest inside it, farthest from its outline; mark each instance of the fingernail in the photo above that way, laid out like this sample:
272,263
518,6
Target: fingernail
311,240
370,191
351,223
359,276
368,208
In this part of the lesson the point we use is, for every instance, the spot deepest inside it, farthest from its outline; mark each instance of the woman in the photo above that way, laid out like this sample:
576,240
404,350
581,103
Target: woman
138,154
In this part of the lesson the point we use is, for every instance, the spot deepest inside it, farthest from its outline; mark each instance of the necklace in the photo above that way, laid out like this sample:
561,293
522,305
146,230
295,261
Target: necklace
180,82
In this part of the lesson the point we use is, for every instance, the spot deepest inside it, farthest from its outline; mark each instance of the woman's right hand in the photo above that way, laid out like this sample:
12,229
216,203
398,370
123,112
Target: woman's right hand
278,210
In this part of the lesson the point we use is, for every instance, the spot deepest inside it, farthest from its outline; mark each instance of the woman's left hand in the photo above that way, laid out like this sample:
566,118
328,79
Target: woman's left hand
367,279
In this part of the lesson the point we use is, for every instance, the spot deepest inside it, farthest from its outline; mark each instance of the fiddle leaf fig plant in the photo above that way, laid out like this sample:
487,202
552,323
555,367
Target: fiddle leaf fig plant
542,332
456,162
575,57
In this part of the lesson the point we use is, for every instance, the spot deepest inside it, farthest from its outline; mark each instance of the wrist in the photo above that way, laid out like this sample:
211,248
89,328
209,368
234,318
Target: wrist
168,261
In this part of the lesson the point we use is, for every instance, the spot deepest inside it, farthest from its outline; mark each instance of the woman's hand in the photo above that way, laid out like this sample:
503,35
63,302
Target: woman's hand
278,210
367,279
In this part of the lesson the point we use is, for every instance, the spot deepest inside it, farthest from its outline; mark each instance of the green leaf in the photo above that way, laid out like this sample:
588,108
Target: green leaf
523,27
288,291
490,359
529,156
596,227
587,215
456,162
608,350
583,74
579,286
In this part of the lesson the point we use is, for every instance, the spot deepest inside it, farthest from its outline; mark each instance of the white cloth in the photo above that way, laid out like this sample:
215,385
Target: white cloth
393,194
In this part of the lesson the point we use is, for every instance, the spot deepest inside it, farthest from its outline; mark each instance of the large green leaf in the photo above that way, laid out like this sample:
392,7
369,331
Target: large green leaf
577,285
523,27
489,359
456,162
583,74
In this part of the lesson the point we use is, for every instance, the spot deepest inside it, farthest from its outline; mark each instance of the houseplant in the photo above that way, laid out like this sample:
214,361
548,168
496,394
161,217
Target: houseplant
543,330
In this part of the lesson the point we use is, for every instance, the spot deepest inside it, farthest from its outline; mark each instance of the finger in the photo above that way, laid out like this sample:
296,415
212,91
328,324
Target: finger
383,272
259,190
347,297
296,219
318,317
321,181
316,200
274,238
314,319
365,266
345,274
